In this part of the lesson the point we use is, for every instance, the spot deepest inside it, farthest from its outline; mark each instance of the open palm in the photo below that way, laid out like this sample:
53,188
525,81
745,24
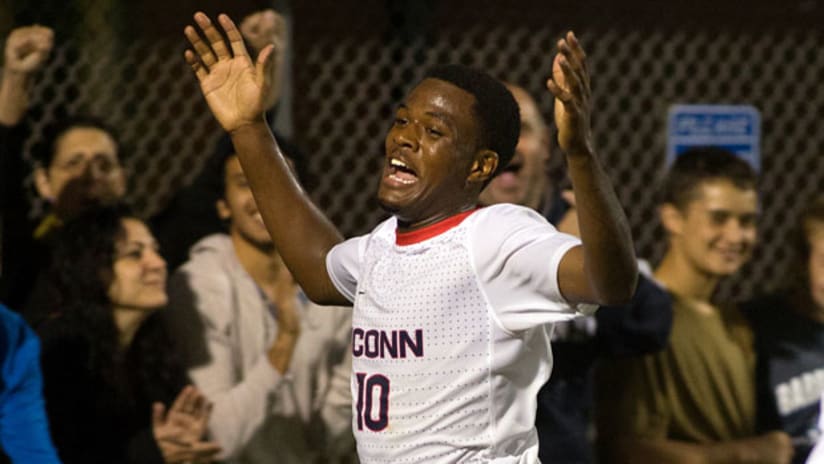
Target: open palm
233,85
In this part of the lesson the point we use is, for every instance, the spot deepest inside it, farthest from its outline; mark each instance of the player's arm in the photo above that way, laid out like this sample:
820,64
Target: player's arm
771,448
604,269
235,89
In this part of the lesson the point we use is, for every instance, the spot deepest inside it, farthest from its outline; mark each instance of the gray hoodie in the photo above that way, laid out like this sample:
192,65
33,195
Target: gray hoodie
225,325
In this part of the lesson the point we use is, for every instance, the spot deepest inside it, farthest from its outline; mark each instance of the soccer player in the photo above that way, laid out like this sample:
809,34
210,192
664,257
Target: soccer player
453,304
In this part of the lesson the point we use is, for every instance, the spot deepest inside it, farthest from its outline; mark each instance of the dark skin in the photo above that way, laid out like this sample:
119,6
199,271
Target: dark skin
436,137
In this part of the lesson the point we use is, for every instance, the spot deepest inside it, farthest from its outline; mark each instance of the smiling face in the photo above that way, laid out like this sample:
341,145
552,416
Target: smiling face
524,179
139,272
238,206
716,230
432,151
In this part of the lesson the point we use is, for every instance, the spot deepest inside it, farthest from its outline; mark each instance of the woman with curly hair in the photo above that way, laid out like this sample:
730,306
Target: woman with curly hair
115,391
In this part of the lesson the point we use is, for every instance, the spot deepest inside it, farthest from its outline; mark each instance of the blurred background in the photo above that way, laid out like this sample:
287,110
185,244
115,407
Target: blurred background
351,62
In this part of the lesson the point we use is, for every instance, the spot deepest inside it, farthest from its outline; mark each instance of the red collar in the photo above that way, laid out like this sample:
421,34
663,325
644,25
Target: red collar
432,230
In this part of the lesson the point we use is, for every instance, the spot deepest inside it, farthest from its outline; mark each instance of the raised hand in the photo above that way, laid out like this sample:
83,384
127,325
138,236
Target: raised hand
264,28
570,86
235,88
179,432
28,48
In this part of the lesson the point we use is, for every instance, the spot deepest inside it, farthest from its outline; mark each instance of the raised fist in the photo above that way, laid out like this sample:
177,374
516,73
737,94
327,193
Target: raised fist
27,49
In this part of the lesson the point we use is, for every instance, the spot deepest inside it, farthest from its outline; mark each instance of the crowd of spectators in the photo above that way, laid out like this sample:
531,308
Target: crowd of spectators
216,354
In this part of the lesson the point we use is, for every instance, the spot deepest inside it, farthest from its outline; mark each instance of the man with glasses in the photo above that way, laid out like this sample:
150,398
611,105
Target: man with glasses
77,166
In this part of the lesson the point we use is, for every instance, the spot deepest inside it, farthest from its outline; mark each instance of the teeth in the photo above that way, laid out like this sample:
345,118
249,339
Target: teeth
402,180
398,163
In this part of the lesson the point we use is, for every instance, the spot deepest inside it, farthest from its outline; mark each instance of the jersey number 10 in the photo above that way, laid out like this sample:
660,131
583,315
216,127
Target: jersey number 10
365,405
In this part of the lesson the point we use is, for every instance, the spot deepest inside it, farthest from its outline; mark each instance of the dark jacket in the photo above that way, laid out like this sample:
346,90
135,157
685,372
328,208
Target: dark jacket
565,401
100,411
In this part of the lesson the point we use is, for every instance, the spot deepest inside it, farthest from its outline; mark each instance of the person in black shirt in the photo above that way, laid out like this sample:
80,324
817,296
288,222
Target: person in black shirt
789,337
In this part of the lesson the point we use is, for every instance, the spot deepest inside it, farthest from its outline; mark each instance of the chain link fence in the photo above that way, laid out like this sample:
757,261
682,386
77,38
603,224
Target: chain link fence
349,85
354,62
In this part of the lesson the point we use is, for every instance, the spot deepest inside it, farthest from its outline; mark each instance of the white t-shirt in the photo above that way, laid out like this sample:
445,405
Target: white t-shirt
450,335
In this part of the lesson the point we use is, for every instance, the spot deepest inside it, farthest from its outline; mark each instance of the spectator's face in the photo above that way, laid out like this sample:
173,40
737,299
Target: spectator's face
815,235
524,180
429,152
85,169
716,230
139,270
239,208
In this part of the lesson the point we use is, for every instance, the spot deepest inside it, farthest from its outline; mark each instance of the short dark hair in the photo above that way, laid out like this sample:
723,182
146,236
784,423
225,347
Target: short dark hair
213,175
44,151
704,164
496,108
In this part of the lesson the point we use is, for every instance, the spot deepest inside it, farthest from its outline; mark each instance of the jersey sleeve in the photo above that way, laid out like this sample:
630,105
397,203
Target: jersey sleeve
343,263
517,254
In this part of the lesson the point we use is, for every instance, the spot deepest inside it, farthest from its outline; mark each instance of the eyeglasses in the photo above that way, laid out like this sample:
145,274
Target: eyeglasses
79,164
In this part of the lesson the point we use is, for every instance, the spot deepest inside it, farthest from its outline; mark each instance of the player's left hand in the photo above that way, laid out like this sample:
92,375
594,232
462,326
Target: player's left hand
573,99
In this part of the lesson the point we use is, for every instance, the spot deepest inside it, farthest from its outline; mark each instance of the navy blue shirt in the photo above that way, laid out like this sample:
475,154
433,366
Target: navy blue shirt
789,369
565,401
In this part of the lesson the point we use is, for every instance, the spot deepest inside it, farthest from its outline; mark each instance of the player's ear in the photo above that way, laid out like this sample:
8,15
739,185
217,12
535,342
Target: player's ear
483,167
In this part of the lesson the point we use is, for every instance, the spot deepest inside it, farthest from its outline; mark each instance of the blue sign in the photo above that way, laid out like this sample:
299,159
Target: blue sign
736,128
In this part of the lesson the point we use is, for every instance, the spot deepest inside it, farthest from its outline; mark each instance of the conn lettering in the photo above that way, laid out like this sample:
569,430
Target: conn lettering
393,344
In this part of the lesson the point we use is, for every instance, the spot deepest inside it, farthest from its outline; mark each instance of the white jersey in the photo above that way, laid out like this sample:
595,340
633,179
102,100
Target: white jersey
450,335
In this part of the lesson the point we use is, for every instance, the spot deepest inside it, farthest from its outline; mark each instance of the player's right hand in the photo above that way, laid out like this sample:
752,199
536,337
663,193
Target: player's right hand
234,87
28,48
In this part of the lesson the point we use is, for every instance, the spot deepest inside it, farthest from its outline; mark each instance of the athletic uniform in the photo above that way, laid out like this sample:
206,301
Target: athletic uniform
450,334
